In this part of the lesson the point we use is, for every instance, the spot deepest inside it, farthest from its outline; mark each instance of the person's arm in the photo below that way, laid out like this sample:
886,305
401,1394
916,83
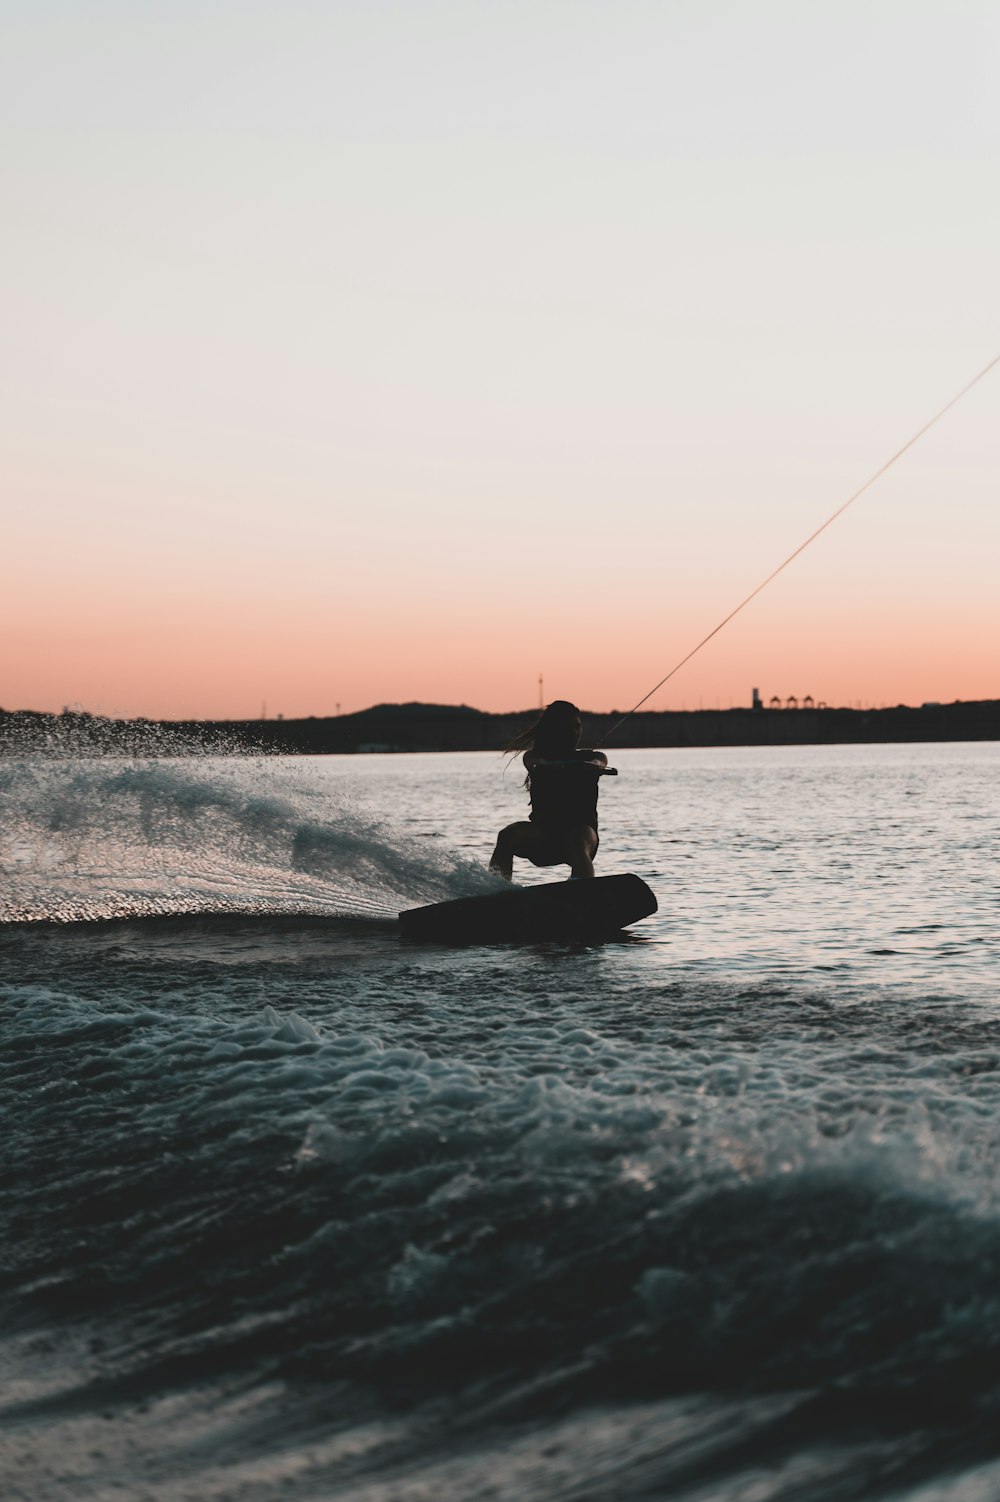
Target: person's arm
598,761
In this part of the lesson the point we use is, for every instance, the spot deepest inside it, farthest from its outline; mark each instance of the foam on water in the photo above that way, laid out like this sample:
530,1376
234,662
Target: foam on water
89,839
554,1120
516,1210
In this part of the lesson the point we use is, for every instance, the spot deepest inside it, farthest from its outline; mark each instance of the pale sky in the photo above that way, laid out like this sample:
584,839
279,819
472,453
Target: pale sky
364,351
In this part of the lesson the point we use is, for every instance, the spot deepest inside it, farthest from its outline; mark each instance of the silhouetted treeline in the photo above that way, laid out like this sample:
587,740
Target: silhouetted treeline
444,727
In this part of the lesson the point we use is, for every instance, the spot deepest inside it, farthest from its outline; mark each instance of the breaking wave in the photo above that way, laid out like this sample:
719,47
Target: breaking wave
91,839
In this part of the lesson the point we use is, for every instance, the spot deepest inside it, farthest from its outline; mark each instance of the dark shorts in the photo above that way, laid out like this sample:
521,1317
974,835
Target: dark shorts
554,838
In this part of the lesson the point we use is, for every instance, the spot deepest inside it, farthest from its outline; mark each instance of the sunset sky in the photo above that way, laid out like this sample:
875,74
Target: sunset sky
369,351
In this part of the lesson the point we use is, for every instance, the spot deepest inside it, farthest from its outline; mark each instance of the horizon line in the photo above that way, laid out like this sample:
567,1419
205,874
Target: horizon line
792,704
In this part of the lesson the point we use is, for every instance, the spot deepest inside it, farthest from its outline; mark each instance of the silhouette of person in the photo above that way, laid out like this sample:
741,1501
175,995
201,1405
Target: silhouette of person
562,783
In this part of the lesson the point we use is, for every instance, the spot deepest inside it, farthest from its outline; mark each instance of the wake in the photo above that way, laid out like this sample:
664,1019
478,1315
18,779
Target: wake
91,840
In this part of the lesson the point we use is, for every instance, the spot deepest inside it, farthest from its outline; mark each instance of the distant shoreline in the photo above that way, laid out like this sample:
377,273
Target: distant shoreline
387,728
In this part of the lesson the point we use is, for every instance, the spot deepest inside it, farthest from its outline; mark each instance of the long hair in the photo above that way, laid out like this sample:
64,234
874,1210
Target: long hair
555,733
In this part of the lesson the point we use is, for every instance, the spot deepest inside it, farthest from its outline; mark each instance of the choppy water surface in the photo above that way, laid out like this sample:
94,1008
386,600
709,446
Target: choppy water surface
292,1210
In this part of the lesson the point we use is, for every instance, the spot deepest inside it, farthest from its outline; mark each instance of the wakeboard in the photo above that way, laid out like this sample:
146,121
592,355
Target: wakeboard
574,911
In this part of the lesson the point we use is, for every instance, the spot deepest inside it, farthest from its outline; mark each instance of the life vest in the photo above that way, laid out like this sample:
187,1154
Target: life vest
564,792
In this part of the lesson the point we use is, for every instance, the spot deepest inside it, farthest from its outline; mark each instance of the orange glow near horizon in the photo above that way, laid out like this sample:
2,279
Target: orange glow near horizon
219,670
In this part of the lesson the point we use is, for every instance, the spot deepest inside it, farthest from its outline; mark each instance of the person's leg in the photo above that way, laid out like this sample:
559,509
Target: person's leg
510,842
581,847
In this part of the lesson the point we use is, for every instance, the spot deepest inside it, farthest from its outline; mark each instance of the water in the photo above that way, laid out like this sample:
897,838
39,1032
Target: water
292,1210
